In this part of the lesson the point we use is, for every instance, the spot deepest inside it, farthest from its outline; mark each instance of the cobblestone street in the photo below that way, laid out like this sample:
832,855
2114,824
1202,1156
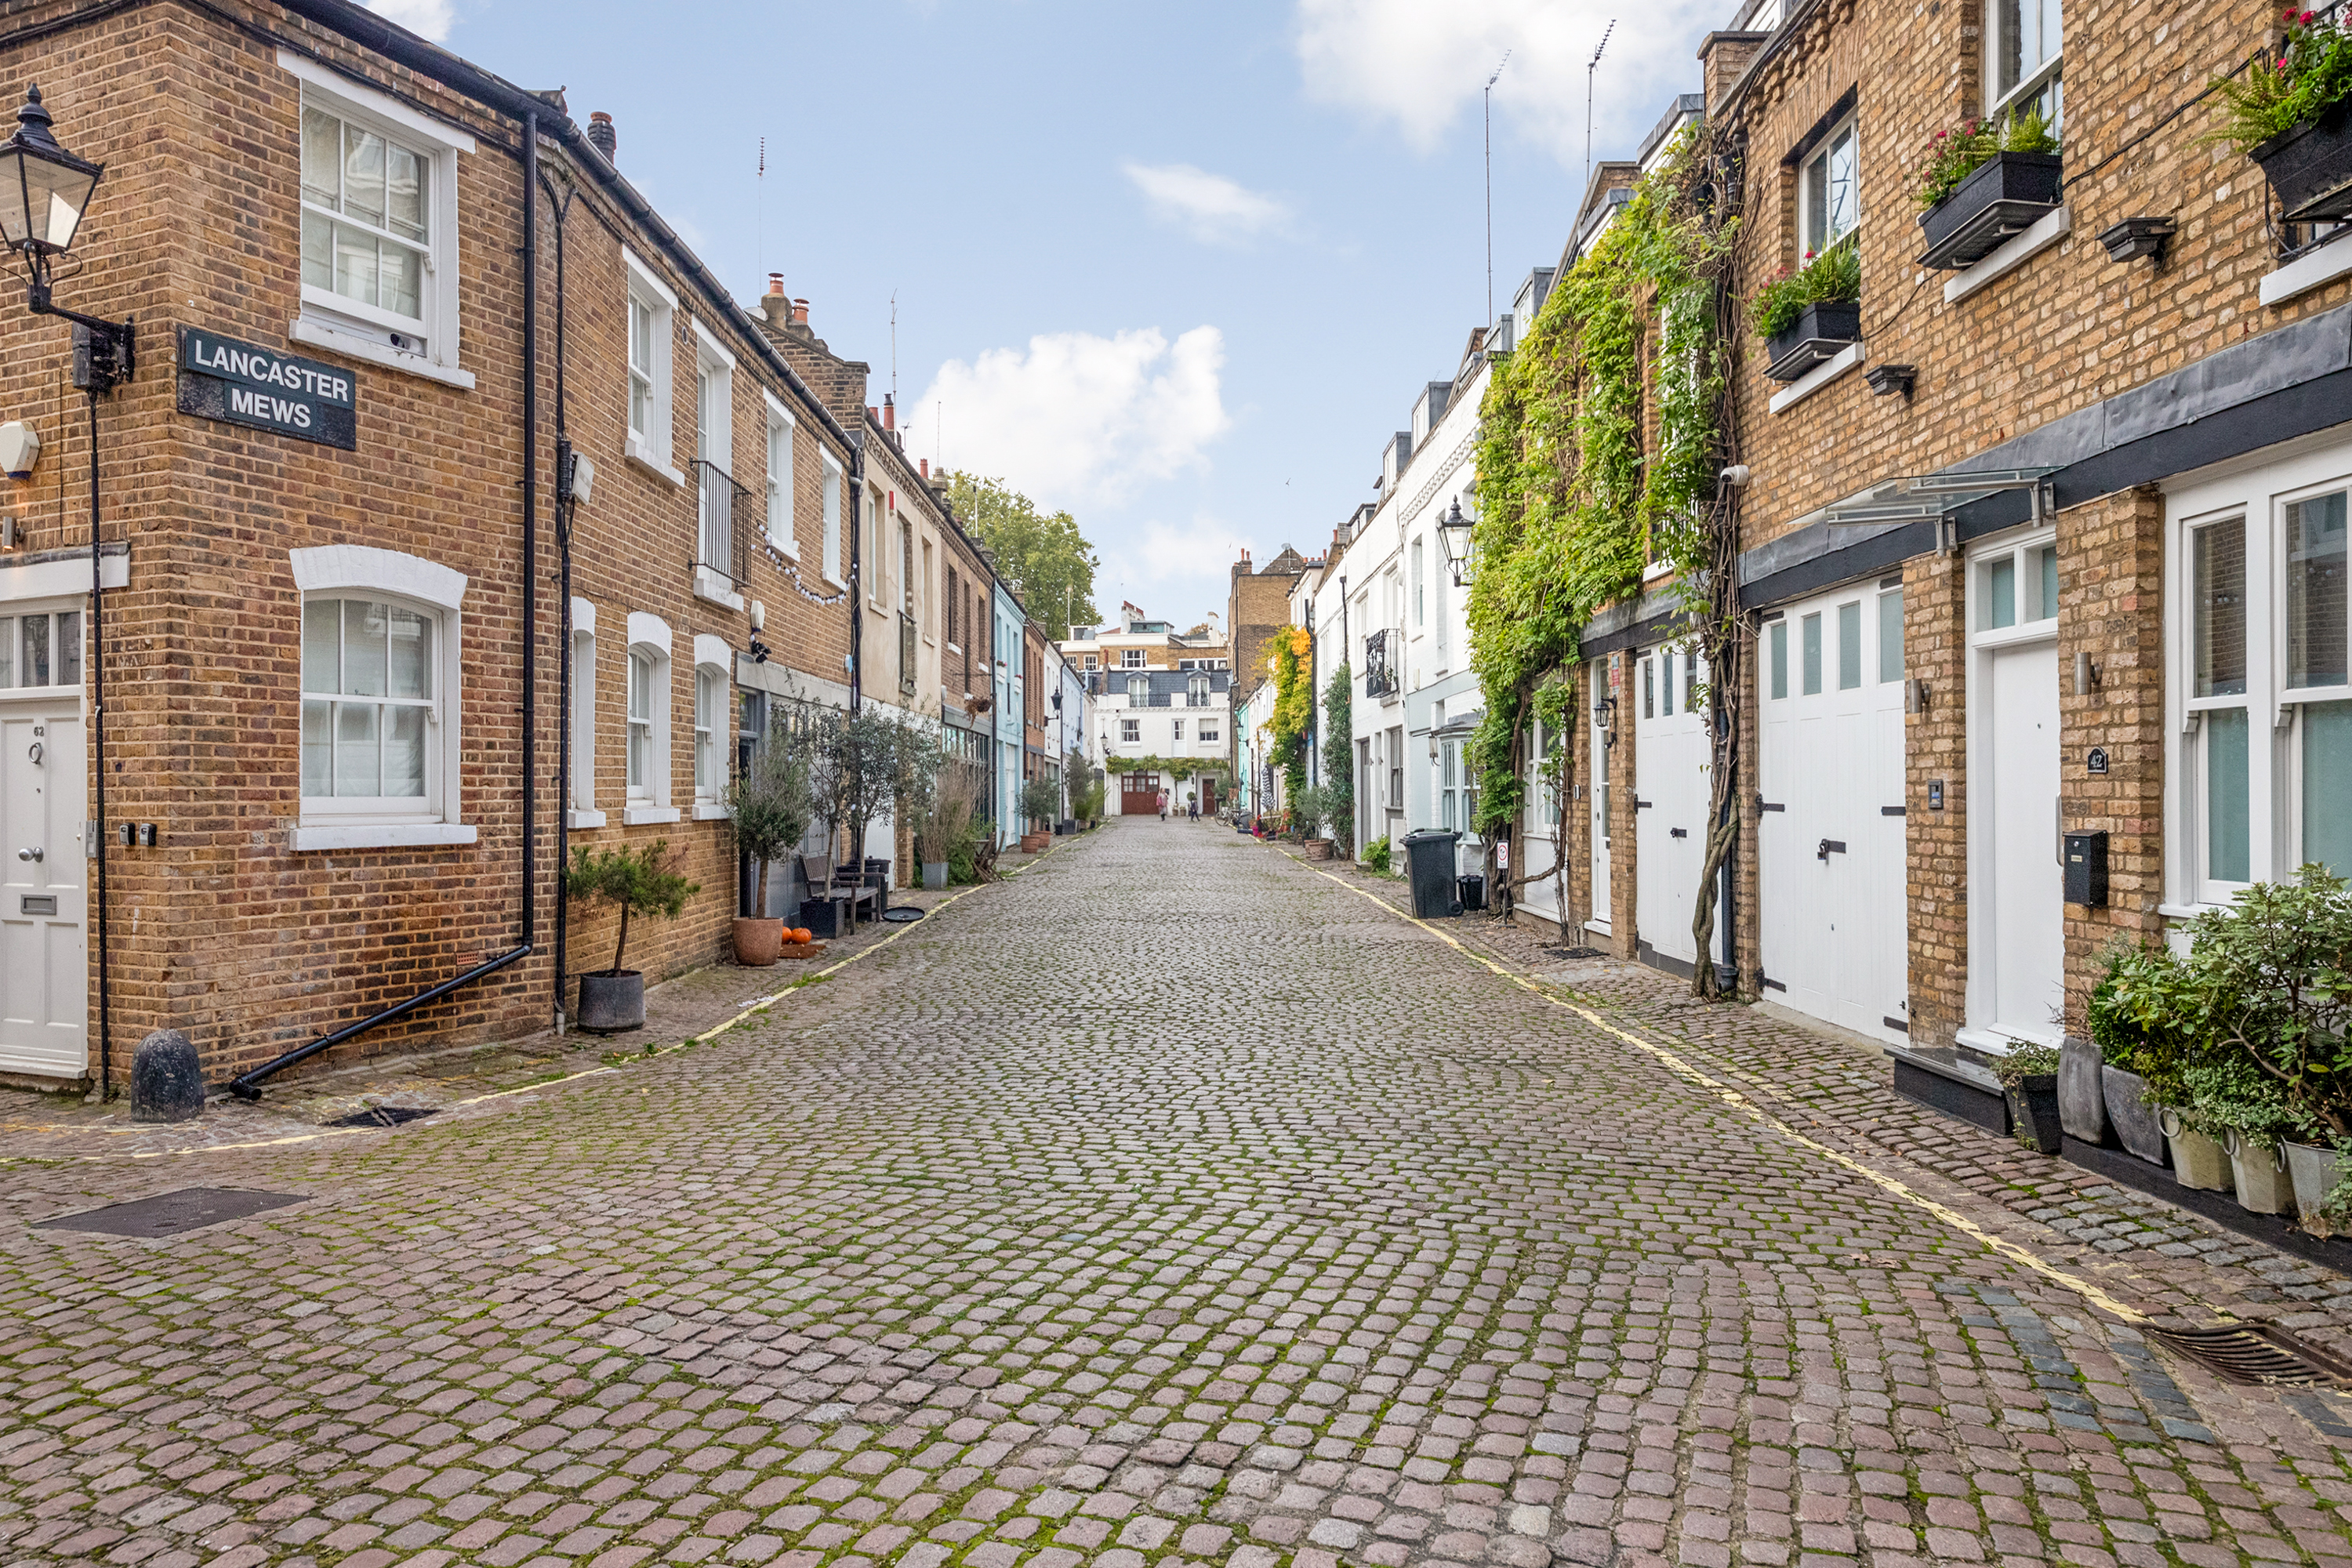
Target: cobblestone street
1170,1202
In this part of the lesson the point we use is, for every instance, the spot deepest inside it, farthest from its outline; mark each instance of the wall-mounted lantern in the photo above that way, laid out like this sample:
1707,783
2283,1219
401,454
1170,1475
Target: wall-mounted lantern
20,448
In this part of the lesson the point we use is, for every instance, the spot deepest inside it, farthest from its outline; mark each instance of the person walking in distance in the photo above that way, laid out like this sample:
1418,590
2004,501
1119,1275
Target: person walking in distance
1163,806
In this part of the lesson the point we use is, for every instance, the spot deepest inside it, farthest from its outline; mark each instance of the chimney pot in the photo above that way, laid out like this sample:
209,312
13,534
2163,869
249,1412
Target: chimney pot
873,414
800,312
602,136
889,411
924,464
775,285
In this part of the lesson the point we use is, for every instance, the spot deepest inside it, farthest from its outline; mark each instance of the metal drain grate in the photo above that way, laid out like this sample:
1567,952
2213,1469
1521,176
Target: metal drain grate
170,1213
382,1115
1579,952
2256,1353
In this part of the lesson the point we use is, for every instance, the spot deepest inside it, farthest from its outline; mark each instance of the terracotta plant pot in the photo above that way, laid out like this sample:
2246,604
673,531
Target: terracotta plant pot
2134,1117
1319,849
612,1004
2315,1172
757,941
2259,1175
2197,1159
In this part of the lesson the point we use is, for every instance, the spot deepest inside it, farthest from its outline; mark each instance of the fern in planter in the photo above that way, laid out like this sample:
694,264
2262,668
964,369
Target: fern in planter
2310,76
1833,277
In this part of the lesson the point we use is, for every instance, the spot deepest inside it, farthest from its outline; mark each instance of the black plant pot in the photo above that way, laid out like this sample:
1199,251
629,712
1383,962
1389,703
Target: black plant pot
2000,200
1820,333
612,1004
2310,166
2034,1111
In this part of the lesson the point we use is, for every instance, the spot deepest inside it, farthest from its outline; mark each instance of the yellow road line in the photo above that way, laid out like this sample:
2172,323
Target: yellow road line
1738,1101
326,1132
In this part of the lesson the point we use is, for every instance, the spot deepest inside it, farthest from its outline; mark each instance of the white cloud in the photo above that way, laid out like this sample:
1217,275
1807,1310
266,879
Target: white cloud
1210,208
428,18
1420,64
1079,418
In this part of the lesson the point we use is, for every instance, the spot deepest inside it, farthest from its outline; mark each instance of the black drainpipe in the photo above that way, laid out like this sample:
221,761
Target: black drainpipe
565,503
248,1086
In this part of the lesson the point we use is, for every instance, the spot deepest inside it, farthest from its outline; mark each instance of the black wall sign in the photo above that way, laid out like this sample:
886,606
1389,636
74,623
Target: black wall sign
2097,763
221,378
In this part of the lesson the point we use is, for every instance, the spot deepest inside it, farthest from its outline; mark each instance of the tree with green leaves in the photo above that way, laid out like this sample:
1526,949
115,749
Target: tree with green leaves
1291,658
773,805
858,761
643,881
1042,558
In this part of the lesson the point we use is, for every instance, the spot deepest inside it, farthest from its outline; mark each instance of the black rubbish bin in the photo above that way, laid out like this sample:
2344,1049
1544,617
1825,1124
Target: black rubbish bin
1472,890
1429,854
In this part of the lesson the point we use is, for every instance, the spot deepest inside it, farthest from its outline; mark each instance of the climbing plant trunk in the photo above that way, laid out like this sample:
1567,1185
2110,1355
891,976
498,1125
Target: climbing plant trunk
1723,638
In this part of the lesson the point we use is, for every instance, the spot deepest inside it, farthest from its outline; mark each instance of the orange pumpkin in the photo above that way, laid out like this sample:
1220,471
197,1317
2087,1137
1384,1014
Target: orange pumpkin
803,934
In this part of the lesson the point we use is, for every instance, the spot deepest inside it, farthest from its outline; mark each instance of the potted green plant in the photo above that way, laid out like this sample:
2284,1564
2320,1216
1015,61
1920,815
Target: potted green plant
2130,1040
1041,802
1310,809
773,805
1809,314
943,829
644,882
2292,114
1985,180
2029,1077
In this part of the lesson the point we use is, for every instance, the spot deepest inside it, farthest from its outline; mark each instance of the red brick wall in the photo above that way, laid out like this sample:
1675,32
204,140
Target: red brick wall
223,931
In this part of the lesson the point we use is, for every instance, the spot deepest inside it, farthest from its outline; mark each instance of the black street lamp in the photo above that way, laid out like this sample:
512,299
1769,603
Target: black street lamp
1454,535
44,191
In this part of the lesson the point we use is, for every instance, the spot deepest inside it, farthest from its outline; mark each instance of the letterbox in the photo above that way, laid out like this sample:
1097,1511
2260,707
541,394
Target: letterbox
2086,869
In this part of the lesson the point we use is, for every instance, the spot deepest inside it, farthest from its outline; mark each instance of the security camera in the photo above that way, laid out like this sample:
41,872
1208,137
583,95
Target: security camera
1736,474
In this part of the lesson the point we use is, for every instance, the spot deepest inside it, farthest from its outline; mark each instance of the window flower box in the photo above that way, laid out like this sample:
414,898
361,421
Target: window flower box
2310,166
1821,332
1995,204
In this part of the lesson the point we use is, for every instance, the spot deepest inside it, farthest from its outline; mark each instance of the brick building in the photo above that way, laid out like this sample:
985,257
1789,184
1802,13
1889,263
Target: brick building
333,667
2050,543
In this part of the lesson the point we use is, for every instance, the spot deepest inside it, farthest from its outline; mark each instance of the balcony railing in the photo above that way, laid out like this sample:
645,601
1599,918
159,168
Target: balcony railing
906,654
1196,699
1380,661
726,523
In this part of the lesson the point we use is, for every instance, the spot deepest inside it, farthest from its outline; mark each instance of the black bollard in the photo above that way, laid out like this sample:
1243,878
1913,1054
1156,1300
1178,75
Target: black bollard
167,1083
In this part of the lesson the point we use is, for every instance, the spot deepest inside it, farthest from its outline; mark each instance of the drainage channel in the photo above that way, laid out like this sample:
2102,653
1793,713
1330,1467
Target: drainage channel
382,1116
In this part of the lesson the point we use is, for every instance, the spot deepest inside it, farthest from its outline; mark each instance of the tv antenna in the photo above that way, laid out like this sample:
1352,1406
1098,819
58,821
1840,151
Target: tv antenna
894,346
760,209
1590,66
1490,184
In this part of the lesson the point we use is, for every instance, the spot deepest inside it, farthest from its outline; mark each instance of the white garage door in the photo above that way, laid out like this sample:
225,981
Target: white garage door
1830,852
1669,769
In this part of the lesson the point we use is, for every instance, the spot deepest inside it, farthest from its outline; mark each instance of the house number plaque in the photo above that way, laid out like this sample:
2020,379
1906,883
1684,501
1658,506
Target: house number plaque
2097,760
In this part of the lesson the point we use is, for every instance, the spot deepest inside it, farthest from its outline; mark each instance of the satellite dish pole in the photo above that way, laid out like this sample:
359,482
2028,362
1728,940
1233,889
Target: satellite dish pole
1490,185
1591,66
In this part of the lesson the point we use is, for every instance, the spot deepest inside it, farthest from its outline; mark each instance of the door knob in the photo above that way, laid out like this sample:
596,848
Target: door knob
34,853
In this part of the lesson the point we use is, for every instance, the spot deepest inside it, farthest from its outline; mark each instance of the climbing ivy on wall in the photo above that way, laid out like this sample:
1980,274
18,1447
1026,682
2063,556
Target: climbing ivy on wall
1291,657
1598,444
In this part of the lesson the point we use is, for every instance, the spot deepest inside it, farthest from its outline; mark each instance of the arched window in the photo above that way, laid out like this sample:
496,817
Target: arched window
379,683
711,713
583,716
648,765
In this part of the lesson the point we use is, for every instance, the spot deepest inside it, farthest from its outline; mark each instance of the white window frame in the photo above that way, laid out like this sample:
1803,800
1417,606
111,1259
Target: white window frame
1130,658
834,478
582,805
12,664
876,579
1206,733
2032,81
713,727
1419,589
1131,731
1818,157
355,330
2260,493
648,800
356,570
782,428
652,449
1176,731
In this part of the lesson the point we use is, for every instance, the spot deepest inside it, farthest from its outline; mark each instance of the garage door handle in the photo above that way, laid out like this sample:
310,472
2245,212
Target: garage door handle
1830,846
1678,832
1643,804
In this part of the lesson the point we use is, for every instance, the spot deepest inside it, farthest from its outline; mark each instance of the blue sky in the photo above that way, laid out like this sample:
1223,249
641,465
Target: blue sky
1179,270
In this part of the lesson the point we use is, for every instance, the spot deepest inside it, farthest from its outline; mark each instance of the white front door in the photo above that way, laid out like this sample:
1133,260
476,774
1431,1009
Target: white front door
43,904
1670,767
1603,817
2017,882
1830,846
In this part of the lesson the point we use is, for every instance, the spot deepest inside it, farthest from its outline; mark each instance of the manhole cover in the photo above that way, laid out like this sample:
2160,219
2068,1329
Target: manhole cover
1580,953
191,1208
2255,1354
904,914
381,1116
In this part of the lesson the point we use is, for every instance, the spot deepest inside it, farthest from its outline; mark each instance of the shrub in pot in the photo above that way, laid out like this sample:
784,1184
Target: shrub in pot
772,804
2028,1077
640,881
2292,113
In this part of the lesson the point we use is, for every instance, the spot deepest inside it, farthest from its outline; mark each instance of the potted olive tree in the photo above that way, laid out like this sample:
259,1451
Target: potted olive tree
773,805
1041,802
643,881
